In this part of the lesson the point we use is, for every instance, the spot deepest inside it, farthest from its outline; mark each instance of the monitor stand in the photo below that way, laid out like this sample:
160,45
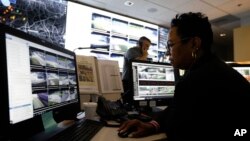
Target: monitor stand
151,110
51,127
49,122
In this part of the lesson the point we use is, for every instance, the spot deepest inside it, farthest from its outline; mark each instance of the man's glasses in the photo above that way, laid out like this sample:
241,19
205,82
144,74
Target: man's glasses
170,44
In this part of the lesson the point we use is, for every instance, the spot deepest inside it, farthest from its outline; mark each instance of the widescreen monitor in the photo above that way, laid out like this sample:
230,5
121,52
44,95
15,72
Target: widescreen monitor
37,78
153,83
243,69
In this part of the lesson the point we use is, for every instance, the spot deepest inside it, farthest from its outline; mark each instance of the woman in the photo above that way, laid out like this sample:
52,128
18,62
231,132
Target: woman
211,100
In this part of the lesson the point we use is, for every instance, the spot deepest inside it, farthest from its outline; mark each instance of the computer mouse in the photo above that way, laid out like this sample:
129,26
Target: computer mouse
80,115
126,133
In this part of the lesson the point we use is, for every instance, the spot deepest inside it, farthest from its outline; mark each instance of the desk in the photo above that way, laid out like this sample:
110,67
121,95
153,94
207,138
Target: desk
110,134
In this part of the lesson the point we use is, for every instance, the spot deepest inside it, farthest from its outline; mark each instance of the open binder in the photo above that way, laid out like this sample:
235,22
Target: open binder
98,76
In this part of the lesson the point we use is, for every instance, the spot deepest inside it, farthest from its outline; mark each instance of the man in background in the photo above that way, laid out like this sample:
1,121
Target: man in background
139,52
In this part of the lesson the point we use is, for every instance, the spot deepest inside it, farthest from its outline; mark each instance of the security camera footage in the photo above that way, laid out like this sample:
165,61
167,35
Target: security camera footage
152,80
53,78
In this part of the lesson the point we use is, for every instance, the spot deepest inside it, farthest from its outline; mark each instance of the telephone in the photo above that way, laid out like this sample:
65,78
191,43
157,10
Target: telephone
110,110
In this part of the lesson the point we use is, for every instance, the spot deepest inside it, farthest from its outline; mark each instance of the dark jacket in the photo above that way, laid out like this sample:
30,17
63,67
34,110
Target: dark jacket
211,101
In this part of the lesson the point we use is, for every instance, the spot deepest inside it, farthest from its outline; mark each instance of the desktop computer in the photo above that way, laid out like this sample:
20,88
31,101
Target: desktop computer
153,83
38,83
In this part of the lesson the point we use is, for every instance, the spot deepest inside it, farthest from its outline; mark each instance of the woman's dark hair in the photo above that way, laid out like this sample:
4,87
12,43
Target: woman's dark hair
194,25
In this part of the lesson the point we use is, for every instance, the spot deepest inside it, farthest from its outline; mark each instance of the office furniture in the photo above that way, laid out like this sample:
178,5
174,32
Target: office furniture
110,134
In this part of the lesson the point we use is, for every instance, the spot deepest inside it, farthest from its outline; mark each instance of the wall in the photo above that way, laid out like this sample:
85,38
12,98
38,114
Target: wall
242,43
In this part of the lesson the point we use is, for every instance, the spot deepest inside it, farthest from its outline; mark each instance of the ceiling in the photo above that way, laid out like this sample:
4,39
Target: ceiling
225,15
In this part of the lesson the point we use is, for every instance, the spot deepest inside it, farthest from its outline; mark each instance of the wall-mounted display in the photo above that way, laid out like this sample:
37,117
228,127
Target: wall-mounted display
163,36
45,19
120,27
101,22
108,35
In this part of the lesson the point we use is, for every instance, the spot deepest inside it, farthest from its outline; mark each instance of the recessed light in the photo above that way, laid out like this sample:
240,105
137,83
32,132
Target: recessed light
223,34
152,10
239,5
128,3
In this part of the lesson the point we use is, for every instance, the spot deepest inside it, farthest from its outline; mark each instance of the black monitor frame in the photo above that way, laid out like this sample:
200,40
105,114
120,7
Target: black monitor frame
33,125
153,101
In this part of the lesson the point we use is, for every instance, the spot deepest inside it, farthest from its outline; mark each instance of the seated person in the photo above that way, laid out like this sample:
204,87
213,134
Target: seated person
211,100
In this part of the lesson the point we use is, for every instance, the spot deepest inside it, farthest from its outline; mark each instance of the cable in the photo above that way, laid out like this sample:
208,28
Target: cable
81,48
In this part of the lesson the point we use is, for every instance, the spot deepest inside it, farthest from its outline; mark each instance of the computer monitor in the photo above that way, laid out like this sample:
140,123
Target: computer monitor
153,83
243,69
45,19
37,78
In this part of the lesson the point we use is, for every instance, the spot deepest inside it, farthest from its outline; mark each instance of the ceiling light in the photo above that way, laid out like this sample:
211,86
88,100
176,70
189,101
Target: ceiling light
152,10
223,34
128,3
239,5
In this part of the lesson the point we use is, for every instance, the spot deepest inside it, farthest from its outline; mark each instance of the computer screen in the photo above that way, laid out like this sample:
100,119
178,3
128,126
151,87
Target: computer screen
243,69
153,83
107,34
36,78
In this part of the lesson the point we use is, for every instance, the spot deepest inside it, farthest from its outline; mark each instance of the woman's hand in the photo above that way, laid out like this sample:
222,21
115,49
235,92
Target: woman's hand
142,128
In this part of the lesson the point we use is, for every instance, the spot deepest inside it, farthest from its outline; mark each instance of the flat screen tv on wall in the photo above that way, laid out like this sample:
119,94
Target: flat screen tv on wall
45,19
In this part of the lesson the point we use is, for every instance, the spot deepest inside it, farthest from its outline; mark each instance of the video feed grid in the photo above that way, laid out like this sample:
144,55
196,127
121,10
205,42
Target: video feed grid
155,91
53,80
52,98
153,81
155,88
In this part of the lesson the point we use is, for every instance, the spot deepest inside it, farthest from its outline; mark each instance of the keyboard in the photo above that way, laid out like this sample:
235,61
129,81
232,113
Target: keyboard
82,131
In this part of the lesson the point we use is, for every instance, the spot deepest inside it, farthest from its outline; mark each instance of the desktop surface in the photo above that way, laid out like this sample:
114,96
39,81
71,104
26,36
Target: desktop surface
110,134
69,130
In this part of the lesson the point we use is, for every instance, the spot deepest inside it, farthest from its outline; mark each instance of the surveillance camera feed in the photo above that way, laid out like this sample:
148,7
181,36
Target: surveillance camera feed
109,35
52,78
152,80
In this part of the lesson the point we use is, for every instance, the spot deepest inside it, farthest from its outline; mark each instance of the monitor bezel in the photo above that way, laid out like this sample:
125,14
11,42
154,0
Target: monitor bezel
35,124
